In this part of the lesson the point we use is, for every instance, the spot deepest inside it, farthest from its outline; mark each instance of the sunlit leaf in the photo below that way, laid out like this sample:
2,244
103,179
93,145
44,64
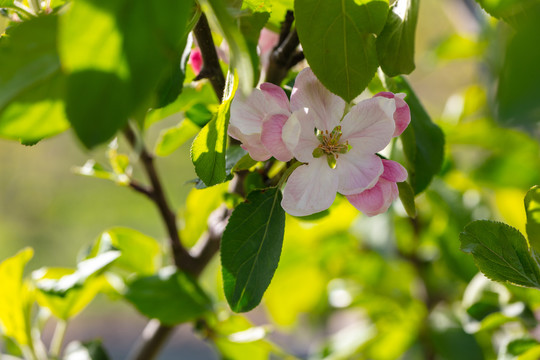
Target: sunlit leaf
199,205
208,149
31,83
116,59
517,13
86,270
68,305
338,39
395,44
172,297
501,253
15,298
139,253
251,247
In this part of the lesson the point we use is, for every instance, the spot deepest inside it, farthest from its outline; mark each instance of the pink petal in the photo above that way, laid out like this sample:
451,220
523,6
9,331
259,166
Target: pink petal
393,171
376,200
267,40
308,92
357,172
247,114
275,94
299,136
369,125
402,115
310,189
271,137
251,143
195,60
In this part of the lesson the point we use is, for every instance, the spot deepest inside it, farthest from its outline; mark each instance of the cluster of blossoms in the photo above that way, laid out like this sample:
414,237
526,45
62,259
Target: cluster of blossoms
336,143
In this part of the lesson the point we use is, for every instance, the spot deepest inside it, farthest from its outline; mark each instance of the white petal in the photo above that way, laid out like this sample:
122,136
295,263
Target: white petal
299,136
369,125
358,172
309,93
310,189
251,143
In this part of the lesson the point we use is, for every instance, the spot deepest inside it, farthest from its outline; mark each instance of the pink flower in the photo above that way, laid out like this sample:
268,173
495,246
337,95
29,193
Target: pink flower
338,146
378,199
257,122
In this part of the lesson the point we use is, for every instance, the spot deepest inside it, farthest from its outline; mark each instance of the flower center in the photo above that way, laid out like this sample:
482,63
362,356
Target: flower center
331,146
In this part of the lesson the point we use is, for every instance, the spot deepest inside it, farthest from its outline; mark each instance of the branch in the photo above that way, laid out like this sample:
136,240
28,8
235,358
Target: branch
182,259
285,55
211,69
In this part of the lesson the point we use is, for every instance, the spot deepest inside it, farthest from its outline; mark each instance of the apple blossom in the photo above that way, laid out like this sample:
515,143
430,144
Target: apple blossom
378,199
257,121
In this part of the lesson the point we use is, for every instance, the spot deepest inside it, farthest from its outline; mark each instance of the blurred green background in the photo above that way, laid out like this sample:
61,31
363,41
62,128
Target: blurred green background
353,270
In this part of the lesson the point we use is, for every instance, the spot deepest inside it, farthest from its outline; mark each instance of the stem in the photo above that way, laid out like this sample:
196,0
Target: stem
152,339
58,338
211,69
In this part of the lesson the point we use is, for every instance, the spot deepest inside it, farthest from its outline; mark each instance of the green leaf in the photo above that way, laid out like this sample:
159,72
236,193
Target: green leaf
89,350
15,298
518,81
139,253
31,83
172,297
423,141
86,269
338,38
172,138
115,53
67,305
501,253
173,81
517,13
532,208
406,195
395,44
241,61
199,205
208,149
521,346
251,247
6,3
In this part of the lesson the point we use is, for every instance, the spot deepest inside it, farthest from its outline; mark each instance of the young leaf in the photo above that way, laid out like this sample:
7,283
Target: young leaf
338,38
140,253
251,247
31,83
208,149
172,297
86,269
515,12
501,253
395,44
115,52
65,306
14,298
423,141
172,138
532,208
